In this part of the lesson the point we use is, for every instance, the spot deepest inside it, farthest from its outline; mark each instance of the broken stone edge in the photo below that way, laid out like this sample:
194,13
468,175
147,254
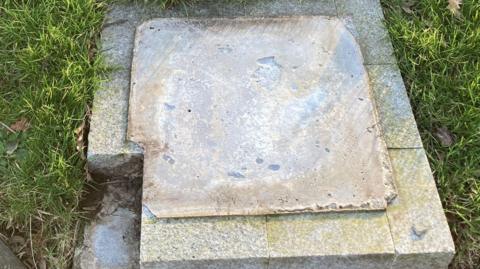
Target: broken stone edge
109,147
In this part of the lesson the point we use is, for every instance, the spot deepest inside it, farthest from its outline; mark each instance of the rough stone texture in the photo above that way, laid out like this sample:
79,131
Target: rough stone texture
226,242
330,240
8,260
107,141
417,222
396,117
367,16
255,116
109,153
111,240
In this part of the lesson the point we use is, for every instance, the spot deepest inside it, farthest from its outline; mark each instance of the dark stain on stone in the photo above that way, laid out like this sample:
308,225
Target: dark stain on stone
169,159
225,49
259,160
418,234
274,167
327,149
235,174
269,60
169,106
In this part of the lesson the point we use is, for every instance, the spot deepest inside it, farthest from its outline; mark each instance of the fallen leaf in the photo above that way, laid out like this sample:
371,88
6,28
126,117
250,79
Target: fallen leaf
88,175
20,125
90,208
80,133
407,6
11,147
444,136
454,7
16,239
42,264
440,156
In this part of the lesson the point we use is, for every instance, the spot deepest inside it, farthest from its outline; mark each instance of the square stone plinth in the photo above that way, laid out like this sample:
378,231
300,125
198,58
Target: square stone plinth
411,232
255,116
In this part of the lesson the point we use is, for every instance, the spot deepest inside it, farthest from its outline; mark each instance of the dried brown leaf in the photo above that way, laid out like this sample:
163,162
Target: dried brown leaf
20,125
81,132
17,239
444,136
42,264
454,7
11,147
407,6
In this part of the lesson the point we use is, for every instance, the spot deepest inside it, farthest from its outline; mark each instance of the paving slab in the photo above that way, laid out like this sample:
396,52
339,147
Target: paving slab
227,242
255,116
417,222
330,240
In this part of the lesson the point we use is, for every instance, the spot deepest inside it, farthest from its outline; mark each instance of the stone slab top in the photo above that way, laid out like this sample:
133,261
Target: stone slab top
255,116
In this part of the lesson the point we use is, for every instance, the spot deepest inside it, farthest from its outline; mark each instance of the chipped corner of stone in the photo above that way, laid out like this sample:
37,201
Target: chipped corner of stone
349,24
145,25
389,181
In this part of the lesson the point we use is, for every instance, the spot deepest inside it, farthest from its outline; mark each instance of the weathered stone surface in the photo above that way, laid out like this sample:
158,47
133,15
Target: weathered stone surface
255,116
367,16
393,106
107,142
225,242
109,153
417,222
330,240
8,260
112,239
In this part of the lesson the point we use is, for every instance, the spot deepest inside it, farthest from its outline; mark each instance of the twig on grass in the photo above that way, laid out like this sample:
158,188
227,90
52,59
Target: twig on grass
6,127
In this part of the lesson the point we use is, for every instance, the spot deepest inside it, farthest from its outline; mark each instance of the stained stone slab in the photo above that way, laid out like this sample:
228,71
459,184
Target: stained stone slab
110,154
395,113
367,16
418,224
330,240
255,116
228,242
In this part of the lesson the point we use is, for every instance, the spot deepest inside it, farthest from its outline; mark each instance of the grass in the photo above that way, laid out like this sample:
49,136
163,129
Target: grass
49,72
439,56
47,77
